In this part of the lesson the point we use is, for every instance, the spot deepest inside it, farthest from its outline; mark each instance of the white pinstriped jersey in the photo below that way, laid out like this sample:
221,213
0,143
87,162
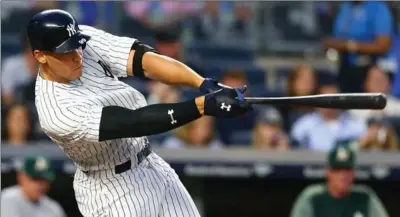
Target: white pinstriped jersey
70,113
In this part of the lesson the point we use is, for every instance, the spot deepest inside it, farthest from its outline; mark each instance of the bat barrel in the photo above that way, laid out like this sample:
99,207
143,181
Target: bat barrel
337,101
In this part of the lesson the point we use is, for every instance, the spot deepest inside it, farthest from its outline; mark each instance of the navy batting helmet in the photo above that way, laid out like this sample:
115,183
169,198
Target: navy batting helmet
56,31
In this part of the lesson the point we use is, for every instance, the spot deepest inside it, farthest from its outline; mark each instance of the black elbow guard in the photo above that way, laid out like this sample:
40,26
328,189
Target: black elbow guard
140,50
118,122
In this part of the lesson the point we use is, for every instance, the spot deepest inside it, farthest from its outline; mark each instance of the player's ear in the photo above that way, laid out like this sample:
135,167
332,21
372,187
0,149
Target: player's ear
40,56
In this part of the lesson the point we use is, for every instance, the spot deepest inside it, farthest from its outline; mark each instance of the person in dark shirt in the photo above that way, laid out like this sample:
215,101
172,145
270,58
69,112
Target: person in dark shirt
339,197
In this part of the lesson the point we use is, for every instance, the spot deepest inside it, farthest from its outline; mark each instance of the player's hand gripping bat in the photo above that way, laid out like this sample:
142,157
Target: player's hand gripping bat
336,101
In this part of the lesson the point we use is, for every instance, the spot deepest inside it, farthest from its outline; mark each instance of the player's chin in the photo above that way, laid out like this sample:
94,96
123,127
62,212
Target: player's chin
77,73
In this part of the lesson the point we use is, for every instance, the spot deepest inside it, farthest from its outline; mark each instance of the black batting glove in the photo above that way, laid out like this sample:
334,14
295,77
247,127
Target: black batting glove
210,85
226,103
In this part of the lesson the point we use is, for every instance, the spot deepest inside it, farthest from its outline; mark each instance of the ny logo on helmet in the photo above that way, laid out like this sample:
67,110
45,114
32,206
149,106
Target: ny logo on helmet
71,29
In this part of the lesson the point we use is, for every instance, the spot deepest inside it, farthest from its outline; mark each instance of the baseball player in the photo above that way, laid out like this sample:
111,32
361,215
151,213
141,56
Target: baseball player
339,196
102,123
28,198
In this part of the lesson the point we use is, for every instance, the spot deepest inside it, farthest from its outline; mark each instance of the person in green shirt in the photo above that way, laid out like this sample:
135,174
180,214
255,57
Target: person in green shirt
28,198
339,197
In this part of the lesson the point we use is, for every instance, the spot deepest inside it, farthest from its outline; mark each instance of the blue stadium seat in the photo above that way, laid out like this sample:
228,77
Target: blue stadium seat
210,50
256,75
241,138
285,71
190,94
159,138
216,68
10,45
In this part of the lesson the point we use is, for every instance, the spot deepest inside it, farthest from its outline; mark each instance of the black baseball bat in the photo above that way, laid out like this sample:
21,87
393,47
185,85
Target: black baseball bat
336,101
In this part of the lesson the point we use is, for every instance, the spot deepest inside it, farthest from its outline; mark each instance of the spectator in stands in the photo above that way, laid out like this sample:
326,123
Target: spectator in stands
377,81
301,81
228,127
8,7
17,70
162,93
380,136
199,133
268,132
18,125
324,129
161,14
361,37
214,23
13,15
169,44
339,196
28,198
241,27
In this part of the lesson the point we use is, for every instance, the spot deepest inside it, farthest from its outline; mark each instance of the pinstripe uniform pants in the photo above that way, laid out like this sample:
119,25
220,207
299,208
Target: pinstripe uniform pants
150,189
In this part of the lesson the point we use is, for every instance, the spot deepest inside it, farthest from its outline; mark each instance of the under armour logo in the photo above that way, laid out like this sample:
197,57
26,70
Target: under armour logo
170,113
71,29
227,107
82,41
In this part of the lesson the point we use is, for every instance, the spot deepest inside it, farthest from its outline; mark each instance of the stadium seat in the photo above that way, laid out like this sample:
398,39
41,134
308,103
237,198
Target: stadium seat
216,68
158,138
10,45
190,94
241,138
206,49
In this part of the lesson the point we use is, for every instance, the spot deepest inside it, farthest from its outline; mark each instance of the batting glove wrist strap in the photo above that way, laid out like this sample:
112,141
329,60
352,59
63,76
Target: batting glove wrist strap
209,85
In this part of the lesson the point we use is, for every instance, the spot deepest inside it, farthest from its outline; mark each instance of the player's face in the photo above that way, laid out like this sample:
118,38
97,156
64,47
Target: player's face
34,188
62,67
341,180
67,66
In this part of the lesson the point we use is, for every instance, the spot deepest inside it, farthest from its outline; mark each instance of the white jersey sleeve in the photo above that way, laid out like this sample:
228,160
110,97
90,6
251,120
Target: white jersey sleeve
75,123
114,49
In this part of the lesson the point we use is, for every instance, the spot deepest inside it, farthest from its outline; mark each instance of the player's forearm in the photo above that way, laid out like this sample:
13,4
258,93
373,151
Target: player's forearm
118,122
170,71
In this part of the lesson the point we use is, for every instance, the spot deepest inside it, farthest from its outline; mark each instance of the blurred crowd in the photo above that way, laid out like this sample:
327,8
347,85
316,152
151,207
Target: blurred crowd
218,39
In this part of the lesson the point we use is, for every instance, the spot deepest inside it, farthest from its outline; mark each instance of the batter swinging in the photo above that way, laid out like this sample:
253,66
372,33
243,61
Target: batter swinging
102,123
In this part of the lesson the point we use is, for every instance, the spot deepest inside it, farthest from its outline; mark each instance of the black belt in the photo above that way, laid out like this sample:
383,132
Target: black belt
146,151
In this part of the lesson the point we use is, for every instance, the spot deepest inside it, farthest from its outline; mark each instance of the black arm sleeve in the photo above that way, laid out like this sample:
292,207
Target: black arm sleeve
118,122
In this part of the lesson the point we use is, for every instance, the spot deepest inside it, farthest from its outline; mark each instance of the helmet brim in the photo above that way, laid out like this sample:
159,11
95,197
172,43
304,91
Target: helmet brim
76,41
